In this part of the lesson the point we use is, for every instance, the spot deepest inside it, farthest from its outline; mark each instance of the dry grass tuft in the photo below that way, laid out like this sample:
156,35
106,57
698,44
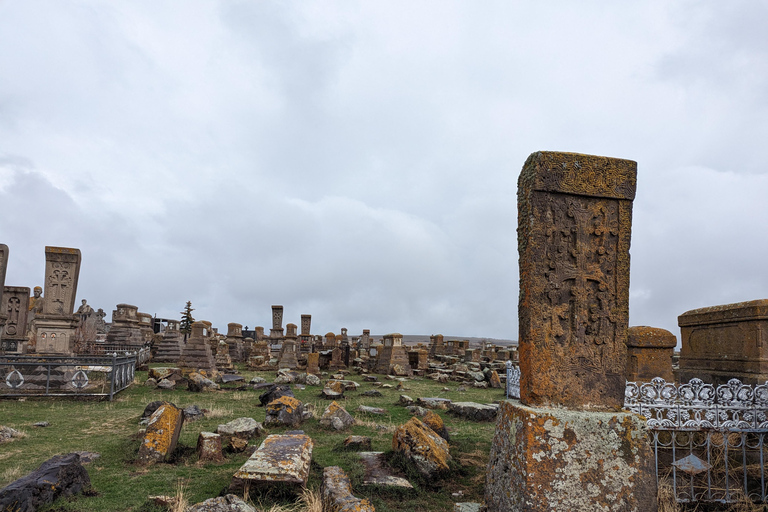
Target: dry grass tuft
11,474
665,496
180,500
389,428
218,412
311,501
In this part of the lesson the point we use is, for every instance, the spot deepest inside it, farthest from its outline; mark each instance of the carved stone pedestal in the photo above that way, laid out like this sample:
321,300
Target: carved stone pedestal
546,459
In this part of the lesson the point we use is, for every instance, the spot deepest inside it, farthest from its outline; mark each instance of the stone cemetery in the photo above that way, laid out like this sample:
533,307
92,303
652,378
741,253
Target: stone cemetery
583,413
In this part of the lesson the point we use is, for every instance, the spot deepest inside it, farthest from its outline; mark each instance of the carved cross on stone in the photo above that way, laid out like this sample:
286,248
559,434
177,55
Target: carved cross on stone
59,282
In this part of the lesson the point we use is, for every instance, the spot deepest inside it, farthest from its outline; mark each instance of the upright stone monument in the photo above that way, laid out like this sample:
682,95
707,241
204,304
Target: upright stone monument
725,342
56,325
3,268
277,322
305,338
126,331
649,354
196,353
288,356
235,341
169,347
15,305
565,445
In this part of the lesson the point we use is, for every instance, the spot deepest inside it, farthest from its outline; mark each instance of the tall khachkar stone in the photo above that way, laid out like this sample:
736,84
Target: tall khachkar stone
565,445
15,305
574,227
3,268
55,326
277,322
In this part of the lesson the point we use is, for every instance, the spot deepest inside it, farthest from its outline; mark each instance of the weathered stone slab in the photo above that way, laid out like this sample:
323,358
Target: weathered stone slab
228,503
337,417
724,342
336,493
428,451
474,411
162,433
62,475
14,305
62,270
557,459
574,229
280,458
649,354
377,472
360,443
273,392
243,428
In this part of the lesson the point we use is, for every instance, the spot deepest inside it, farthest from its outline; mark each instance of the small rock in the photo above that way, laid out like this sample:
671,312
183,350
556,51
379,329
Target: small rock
41,424
150,383
8,434
337,417
358,443
371,392
228,503
257,380
405,400
166,384
193,413
371,410
312,380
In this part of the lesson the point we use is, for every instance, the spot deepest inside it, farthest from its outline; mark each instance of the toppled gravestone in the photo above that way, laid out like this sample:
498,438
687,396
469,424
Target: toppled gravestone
236,433
337,417
282,458
433,402
62,475
228,503
273,392
286,410
420,444
8,434
209,447
474,411
435,422
162,433
336,493
378,472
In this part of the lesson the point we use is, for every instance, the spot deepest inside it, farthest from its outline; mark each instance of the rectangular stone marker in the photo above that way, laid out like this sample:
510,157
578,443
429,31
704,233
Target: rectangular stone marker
574,226
725,342
62,270
280,458
567,446
15,305
3,268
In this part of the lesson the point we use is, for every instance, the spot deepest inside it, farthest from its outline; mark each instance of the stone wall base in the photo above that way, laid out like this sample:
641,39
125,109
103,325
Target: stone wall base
557,459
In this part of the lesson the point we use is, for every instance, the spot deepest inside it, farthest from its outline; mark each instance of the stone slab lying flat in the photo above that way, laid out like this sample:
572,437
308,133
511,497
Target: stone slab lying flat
378,473
280,458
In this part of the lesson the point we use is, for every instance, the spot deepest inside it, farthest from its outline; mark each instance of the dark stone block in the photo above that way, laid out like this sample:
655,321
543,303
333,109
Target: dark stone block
62,475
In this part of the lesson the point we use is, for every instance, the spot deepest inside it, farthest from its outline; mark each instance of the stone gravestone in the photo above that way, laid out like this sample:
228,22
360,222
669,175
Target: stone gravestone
649,354
15,305
3,268
235,341
565,446
720,343
277,322
56,324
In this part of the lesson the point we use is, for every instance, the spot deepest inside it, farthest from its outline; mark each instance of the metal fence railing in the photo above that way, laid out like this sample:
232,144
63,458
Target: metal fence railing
91,376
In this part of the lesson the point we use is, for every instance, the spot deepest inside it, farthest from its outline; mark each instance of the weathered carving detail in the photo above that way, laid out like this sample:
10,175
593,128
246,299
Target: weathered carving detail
581,236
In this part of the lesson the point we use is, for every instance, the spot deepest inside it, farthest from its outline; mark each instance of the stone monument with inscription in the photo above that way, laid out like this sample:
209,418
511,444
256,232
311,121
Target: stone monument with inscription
565,445
55,325
725,342
3,269
277,323
15,300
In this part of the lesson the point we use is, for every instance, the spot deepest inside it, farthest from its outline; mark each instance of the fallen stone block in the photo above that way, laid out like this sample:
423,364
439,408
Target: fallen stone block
365,409
337,417
336,493
228,503
285,410
209,447
62,475
419,443
273,392
280,458
435,422
359,443
8,434
474,411
433,403
377,472
162,434
240,428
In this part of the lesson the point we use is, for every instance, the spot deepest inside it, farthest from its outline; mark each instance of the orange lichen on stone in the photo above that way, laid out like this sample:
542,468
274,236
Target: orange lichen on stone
162,433
280,458
418,442
288,403
435,422
336,493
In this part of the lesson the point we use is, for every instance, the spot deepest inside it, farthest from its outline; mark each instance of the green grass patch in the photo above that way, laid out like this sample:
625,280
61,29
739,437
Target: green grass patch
119,484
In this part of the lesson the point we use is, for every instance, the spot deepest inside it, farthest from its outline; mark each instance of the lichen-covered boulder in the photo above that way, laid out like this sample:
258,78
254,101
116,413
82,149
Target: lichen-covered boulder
435,422
494,380
433,403
274,392
337,417
228,503
198,382
62,475
242,428
336,493
162,433
428,451
286,410
312,380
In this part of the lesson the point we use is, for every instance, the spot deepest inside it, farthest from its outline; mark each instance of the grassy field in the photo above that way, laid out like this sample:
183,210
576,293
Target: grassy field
119,484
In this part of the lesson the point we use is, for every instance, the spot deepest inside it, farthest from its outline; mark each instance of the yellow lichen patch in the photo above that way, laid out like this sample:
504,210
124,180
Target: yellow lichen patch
289,403
422,445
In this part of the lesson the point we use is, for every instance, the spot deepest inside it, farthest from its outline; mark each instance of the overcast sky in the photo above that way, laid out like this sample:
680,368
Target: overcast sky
358,161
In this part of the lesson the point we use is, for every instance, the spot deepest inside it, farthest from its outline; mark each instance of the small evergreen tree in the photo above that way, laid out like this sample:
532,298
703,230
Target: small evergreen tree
185,327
